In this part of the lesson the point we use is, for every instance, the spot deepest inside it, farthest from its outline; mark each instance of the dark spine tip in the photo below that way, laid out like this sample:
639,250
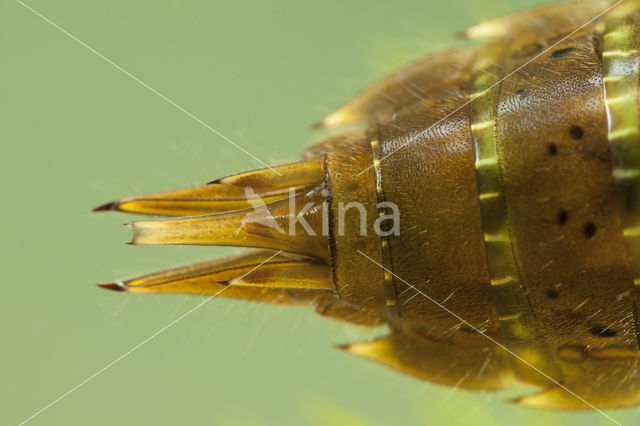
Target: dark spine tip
343,347
461,35
105,207
319,125
213,181
111,286
516,400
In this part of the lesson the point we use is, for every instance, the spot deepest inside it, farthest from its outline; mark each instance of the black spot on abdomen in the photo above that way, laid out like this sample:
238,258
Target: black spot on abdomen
602,331
561,53
589,229
552,293
563,216
576,132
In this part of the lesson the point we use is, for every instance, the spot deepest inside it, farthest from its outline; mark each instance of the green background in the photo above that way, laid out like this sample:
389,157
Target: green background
76,132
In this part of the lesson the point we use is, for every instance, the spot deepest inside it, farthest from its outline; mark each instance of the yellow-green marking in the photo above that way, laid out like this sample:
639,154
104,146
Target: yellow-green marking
518,323
390,295
621,62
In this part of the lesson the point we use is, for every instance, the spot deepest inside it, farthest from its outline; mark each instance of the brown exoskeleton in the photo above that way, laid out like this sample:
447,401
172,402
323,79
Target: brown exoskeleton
500,191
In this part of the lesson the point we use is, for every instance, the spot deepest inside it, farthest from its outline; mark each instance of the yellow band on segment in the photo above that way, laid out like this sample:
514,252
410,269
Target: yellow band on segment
520,329
632,234
509,279
621,174
389,285
620,53
621,63
483,125
626,133
488,195
486,162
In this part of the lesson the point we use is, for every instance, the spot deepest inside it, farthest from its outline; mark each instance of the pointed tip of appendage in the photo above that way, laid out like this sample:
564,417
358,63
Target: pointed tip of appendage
106,207
112,286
